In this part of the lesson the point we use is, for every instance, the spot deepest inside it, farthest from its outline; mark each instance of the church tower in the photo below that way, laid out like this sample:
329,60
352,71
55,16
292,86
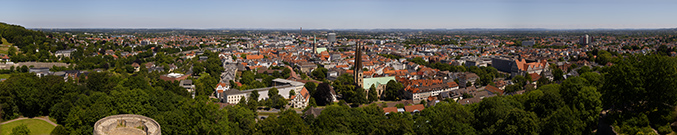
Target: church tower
358,66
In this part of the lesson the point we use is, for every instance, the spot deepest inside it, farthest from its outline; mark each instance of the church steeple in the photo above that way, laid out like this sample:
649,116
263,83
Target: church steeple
358,65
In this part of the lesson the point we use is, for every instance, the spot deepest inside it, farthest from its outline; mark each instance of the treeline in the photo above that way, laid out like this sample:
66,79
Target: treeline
33,45
434,41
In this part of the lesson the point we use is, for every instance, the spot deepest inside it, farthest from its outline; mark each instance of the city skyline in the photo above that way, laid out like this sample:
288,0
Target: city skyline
371,14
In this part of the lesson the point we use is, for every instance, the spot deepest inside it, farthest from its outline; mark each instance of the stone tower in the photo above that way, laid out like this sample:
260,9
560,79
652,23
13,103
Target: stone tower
358,66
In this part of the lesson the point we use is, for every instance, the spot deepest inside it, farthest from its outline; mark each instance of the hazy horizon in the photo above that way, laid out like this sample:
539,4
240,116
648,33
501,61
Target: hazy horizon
337,15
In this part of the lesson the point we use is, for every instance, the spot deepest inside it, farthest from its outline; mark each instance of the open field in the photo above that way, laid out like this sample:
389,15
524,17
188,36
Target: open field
37,126
5,76
4,46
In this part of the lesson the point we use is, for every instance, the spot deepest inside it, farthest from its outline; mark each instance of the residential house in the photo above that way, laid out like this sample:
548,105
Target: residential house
494,90
174,77
419,90
300,100
188,85
64,53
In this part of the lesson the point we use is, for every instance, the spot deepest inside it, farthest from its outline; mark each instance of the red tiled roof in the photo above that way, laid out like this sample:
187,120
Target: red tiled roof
495,90
413,108
389,109
253,57
534,77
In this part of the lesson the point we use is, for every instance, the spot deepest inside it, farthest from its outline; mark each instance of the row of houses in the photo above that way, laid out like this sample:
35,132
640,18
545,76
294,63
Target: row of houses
73,74
300,100
419,90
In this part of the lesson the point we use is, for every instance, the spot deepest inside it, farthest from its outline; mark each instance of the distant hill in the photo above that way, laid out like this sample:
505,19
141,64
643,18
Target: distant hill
20,36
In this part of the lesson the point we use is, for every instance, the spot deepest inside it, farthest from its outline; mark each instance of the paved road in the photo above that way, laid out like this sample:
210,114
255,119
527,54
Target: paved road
39,118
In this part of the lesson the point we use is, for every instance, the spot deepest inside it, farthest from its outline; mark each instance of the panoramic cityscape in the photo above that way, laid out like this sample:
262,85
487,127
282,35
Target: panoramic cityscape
338,67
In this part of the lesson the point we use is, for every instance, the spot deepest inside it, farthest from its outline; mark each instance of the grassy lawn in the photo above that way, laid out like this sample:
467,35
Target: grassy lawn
37,127
4,46
4,76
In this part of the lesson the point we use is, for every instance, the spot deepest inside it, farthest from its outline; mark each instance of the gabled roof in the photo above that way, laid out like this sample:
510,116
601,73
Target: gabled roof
414,108
314,111
534,77
494,90
389,110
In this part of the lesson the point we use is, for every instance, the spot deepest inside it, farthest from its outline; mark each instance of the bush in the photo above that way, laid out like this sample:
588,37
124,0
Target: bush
400,105
21,130
664,129
59,130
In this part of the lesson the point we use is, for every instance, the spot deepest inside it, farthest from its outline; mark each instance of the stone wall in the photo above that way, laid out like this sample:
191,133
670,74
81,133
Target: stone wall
126,124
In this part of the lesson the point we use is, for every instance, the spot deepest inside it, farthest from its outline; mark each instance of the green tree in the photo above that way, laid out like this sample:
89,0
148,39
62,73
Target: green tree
558,74
244,119
518,121
311,87
320,73
584,70
59,130
643,83
564,122
323,95
542,81
291,93
275,100
24,69
512,88
356,96
288,123
373,96
588,103
286,73
519,80
21,130
570,88
593,79
492,111
445,118
253,101
393,90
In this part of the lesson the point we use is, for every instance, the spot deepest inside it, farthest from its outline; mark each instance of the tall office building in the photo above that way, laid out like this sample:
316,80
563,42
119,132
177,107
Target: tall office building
314,45
585,40
331,37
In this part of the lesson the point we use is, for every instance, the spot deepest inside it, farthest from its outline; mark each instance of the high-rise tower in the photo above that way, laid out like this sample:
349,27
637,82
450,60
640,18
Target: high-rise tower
331,37
314,45
358,66
585,40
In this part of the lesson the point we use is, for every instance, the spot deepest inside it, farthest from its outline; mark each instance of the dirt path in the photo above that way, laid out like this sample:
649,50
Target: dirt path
46,119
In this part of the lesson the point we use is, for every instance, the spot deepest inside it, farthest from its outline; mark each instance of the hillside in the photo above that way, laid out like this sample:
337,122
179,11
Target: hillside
24,39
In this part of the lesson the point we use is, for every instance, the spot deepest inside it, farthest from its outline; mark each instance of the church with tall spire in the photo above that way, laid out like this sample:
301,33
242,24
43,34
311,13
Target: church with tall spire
358,66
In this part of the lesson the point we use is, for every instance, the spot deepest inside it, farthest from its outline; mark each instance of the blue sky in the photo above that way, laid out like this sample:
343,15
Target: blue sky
341,14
